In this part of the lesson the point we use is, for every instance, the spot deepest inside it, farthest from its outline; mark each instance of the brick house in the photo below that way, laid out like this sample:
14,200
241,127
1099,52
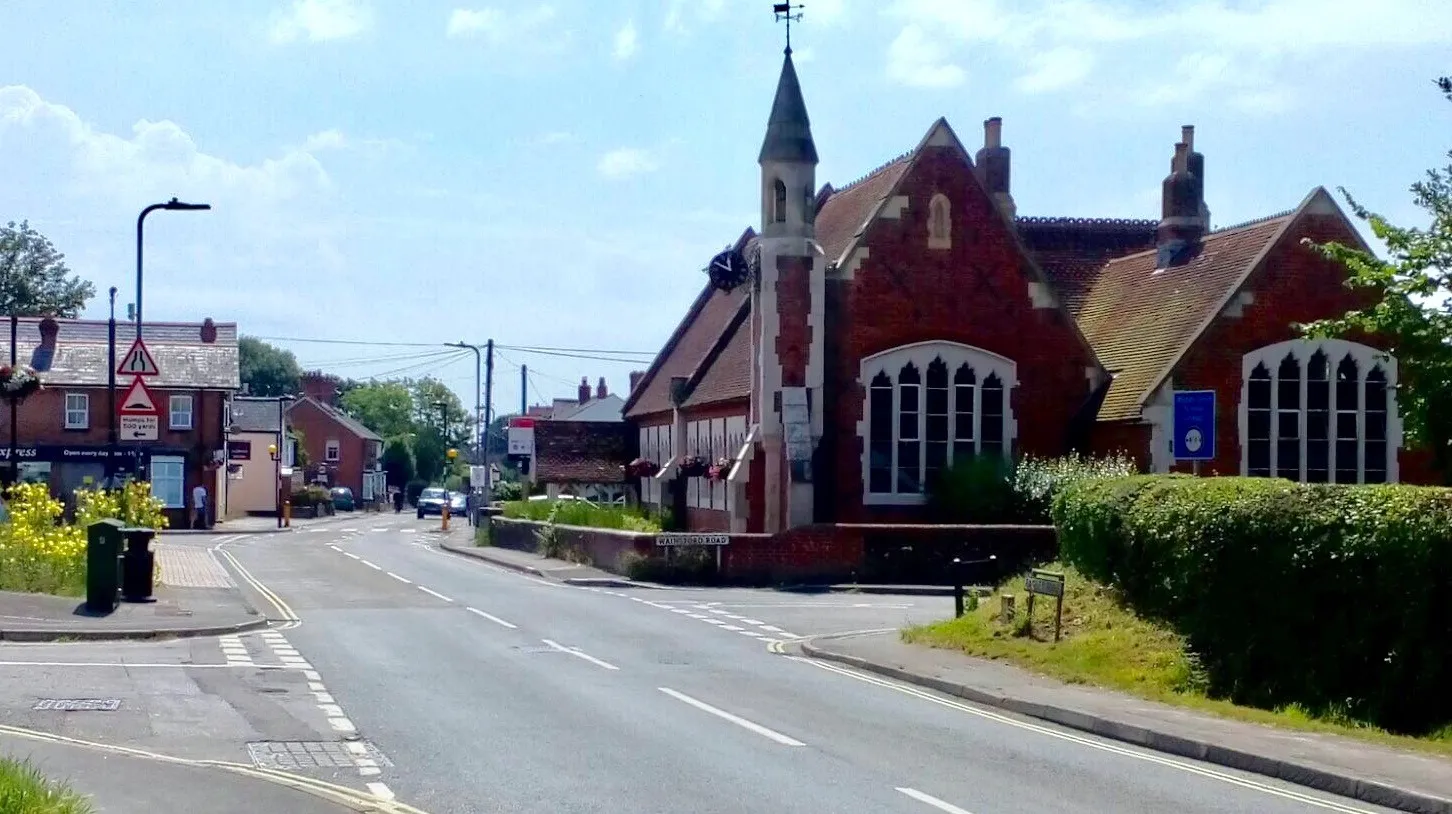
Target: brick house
582,458
912,317
63,430
341,451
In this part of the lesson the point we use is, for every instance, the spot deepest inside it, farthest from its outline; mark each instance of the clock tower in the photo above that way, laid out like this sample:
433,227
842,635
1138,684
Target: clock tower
788,301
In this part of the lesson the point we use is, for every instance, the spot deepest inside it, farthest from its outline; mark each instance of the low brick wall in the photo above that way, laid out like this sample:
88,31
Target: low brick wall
877,553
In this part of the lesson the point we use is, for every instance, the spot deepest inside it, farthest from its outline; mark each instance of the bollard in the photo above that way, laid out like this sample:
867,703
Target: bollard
445,515
103,565
957,588
287,514
1006,609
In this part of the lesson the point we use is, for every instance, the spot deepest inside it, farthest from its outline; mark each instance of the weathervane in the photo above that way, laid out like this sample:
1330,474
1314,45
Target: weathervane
783,11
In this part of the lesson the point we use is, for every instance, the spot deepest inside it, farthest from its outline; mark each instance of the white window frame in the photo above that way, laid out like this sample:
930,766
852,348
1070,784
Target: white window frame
172,412
921,354
332,451
176,473
1302,350
84,410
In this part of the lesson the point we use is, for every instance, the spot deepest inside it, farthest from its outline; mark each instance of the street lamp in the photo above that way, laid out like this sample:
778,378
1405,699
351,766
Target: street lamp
172,205
111,393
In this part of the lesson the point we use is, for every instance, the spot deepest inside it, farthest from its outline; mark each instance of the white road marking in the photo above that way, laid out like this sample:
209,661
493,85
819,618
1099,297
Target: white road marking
772,628
1148,757
681,610
316,686
407,531
342,725
379,528
371,565
575,651
351,554
659,605
735,719
432,592
941,805
368,771
757,622
404,580
356,748
324,698
335,548
380,791
733,627
491,617
331,710
312,675
349,531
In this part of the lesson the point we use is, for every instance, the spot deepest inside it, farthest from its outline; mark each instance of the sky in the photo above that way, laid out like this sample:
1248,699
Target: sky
556,174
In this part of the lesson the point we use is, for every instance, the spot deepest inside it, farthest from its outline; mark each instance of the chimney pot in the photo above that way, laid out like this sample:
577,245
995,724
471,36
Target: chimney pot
584,391
993,132
1187,136
635,378
600,391
1181,162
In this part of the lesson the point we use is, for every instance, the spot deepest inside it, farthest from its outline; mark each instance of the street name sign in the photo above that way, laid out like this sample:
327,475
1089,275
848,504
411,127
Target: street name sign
676,538
140,427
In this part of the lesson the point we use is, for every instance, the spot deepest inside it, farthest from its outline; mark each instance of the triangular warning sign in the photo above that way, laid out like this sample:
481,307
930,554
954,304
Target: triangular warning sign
137,361
138,400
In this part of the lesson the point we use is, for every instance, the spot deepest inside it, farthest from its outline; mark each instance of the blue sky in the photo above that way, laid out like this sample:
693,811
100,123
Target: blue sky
556,173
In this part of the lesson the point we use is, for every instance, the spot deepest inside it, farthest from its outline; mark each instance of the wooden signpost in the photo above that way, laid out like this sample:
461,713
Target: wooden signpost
1046,583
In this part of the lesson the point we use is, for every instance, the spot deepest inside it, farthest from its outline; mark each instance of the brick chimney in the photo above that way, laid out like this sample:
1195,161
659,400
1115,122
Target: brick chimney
992,164
635,377
1197,169
1180,224
600,391
584,394
319,386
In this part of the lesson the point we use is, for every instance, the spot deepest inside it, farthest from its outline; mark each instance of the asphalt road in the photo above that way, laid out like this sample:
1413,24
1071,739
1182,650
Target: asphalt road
401,671
486,690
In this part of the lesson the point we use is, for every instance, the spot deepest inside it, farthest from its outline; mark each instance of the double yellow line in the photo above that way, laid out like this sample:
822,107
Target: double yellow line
288,616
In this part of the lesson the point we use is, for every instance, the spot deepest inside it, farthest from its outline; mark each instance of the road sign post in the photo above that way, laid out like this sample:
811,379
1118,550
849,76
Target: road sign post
1193,426
140,418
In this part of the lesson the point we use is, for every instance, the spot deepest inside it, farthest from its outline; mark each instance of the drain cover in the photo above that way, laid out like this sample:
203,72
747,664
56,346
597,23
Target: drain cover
315,754
79,704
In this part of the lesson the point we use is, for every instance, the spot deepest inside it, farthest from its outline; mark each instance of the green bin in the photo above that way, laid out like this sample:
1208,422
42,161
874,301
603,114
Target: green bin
103,565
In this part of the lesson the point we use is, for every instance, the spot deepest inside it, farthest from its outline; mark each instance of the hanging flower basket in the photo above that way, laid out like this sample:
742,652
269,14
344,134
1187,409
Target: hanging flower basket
693,466
719,470
18,383
642,468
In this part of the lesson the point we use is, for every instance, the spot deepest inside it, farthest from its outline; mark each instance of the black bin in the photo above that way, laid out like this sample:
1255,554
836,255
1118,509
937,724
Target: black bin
138,565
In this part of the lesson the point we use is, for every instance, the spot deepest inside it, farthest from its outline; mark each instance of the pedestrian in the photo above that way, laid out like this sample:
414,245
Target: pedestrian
199,506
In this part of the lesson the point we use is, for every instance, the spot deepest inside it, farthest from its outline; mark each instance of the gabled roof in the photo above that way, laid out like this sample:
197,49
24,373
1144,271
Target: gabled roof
581,451
80,356
255,414
1072,251
343,420
725,373
688,345
848,210
1142,319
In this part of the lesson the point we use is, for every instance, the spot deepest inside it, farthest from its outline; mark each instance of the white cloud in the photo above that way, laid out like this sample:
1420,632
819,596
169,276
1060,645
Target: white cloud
497,26
320,21
625,162
1055,69
626,41
916,60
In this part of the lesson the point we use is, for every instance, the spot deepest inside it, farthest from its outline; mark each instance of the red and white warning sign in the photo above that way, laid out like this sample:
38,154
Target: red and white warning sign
138,361
138,400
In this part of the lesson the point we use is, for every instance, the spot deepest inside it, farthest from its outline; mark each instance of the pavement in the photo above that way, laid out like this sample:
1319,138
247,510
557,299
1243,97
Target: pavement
1400,779
405,673
529,562
267,525
196,597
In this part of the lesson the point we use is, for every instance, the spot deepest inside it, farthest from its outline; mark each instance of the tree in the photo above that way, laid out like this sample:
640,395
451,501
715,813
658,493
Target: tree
1412,309
34,278
384,407
398,461
499,435
428,394
267,370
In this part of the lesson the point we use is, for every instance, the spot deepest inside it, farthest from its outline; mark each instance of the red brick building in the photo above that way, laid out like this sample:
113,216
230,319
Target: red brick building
341,451
885,329
63,429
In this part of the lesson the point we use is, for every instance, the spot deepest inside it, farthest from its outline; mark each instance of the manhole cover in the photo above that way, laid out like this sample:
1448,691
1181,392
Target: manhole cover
315,755
79,704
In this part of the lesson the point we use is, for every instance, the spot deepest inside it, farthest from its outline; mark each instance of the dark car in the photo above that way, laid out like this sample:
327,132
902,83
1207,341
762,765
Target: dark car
458,504
431,501
343,499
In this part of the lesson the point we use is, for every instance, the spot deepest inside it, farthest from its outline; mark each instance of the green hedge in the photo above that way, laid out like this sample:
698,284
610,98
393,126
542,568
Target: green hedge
580,513
1337,598
988,489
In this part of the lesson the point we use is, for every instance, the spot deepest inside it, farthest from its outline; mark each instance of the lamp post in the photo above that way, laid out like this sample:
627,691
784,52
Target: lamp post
478,373
111,393
172,205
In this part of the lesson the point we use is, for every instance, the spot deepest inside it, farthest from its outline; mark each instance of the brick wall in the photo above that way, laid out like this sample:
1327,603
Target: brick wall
603,546
317,429
1130,438
976,293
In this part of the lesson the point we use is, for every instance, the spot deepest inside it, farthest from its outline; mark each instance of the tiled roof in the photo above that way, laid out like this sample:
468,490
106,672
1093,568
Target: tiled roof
344,420
1140,319
727,373
1072,251
80,355
254,414
847,209
581,451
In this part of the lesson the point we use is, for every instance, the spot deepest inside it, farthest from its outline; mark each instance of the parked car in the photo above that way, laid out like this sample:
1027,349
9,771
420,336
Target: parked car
343,499
431,501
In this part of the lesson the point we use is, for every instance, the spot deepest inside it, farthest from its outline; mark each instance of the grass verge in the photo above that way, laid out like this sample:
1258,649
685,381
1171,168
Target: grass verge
1104,644
23,790
581,513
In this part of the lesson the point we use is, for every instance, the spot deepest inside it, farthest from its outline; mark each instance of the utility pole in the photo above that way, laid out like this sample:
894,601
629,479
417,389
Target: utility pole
523,389
488,417
111,393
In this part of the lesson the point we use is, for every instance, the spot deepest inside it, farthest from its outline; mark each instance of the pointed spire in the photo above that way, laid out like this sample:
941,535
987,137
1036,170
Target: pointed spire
788,131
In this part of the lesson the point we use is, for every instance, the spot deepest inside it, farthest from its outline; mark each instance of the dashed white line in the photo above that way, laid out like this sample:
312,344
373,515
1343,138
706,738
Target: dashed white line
380,791
335,548
371,565
432,592
404,580
735,719
575,651
491,617
757,622
941,805
732,627
772,628
351,554
331,710
342,725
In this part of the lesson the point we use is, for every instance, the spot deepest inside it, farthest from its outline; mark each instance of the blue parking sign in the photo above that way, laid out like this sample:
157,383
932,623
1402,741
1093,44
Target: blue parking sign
1194,425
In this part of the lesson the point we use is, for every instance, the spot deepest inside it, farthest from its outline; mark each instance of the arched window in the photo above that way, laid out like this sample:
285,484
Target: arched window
809,205
1320,411
928,406
779,201
940,223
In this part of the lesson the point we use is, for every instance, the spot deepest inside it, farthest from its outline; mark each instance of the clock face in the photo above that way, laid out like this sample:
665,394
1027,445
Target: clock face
728,270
